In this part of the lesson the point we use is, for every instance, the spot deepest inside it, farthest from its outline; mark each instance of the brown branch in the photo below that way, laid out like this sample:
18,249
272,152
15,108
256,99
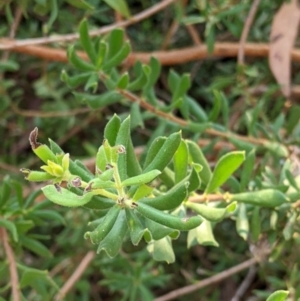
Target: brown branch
206,198
246,30
171,57
105,29
12,266
209,281
33,113
75,276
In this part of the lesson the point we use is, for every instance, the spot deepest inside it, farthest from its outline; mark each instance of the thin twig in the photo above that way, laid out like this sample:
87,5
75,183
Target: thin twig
105,29
12,266
75,276
206,198
245,284
166,58
13,29
246,29
209,281
33,113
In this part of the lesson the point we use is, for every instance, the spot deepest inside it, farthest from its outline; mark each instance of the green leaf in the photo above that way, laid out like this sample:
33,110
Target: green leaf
142,178
123,138
10,226
247,170
196,156
98,101
278,296
136,116
86,42
166,153
202,235
64,197
80,4
53,15
155,69
35,246
225,167
79,63
112,242
136,229
45,153
123,81
120,6
277,148
142,191
182,87
104,228
217,105
242,223
264,198
76,80
115,42
161,250
5,191
118,58
133,165
141,79
171,221
255,225
9,65
92,82
50,215
153,149
100,203
198,127
170,200
111,130
159,231
211,213
181,162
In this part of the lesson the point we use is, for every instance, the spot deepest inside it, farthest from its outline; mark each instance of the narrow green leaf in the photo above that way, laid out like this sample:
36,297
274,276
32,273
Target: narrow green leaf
170,200
104,228
133,165
155,69
10,226
278,296
120,6
64,197
100,203
202,235
111,130
122,139
92,82
197,127
217,105
142,191
194,180
80,4
247,170
159,231
76,80
277,148
136,116
171,221
112,242
35,246
5,191
161,250
196,156
242,223
166,153
141,79
265,198
50,215
98,101
123,81
118,58
255,225
86,42
79,63
181,162
210,213
225,167
136,229
142,178
153,149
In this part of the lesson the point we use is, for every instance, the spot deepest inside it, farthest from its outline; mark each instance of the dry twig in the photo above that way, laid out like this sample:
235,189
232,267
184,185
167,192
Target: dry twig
105,29
246,30
12,266
75,276
208,281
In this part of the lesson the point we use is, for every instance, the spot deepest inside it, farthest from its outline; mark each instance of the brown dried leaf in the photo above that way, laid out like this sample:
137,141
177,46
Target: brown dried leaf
283,35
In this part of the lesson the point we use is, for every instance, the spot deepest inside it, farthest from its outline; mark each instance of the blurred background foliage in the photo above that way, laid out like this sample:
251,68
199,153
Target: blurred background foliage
32,94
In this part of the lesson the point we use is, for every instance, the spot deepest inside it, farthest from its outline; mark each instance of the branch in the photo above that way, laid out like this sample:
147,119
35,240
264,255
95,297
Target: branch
12,266
105,29
208,281
171,57
75,276
246,30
